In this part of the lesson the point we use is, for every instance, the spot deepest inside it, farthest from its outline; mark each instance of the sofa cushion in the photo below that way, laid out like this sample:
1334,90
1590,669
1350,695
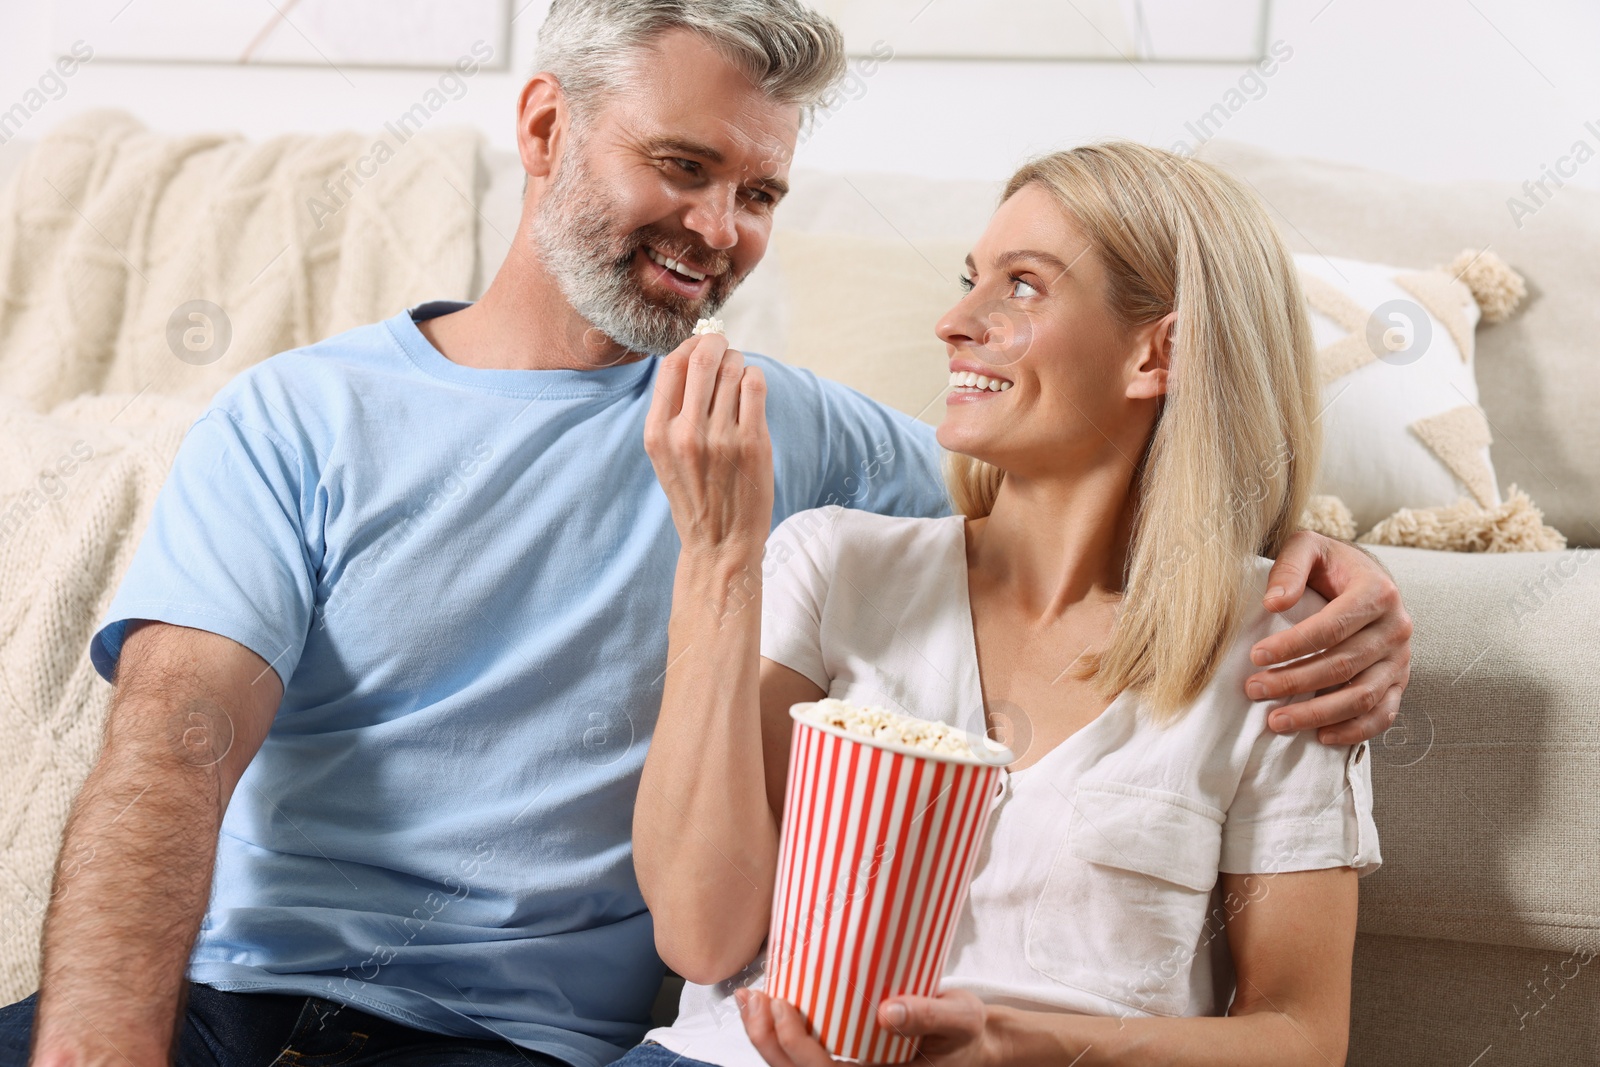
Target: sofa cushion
1538,371
1488,787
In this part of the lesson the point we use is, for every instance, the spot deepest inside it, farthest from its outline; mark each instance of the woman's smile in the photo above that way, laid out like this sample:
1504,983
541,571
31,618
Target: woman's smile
970,381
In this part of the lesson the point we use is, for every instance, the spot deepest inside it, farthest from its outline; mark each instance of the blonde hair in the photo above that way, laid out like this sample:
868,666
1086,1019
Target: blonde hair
1230,463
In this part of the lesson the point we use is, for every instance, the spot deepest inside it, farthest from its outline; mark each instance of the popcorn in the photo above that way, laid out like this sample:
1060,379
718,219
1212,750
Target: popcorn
881,724
707,326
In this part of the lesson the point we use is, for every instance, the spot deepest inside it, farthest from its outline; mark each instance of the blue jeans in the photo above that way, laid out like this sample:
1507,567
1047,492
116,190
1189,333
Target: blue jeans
258,1029
654,1054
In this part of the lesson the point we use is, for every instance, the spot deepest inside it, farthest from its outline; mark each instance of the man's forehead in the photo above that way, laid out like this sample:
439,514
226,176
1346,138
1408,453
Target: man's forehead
682,88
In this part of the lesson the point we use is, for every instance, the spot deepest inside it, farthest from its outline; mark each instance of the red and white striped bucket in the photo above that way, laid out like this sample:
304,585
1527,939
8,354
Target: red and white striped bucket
878,845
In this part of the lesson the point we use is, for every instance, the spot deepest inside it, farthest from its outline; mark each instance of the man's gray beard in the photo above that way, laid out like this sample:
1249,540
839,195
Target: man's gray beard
594,267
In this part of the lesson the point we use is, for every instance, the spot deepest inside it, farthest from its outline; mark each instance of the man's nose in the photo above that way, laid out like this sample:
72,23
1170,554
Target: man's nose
714,217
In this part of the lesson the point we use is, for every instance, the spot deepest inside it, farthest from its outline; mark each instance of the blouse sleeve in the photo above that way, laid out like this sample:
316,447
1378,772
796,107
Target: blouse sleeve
796,572
1302,806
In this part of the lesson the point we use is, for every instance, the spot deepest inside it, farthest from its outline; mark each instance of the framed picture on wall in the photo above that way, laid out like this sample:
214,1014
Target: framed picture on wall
369,33
1218,31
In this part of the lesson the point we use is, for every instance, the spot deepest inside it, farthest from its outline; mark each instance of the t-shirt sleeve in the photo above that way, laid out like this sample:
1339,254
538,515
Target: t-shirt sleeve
1302,806
795,574
835,445
225,549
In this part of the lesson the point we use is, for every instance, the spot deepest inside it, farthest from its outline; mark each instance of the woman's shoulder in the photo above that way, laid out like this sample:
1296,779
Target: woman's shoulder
864,528
1257,622
863,546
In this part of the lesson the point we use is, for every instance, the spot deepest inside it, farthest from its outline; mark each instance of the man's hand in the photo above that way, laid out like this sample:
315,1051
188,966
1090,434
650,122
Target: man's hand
1359,646
951,1029
706,436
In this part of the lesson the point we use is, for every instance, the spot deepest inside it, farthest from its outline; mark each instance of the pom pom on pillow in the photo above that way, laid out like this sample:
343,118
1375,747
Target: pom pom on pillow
1328,515
1497,288
1514,526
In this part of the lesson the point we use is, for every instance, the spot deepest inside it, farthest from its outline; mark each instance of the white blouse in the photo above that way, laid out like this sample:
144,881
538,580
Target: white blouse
1096,890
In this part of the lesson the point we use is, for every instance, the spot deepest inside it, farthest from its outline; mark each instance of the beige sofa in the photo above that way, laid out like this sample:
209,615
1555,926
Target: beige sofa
1476,934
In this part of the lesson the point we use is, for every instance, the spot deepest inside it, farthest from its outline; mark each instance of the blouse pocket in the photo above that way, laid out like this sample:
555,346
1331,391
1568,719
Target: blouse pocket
1124,905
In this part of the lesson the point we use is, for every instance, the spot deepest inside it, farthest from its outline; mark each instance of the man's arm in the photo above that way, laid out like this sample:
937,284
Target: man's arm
1359,645
190,710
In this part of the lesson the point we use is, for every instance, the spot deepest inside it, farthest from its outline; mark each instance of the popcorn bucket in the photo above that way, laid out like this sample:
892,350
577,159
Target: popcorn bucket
878,844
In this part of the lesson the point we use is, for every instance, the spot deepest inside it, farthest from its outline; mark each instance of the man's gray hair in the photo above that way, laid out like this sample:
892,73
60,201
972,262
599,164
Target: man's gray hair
791,52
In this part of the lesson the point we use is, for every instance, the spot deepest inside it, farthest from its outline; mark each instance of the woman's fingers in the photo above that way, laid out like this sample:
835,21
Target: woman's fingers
797,1043
950,1019
756,1009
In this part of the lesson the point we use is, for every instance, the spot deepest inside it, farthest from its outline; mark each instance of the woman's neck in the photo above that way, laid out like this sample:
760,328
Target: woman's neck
1051,544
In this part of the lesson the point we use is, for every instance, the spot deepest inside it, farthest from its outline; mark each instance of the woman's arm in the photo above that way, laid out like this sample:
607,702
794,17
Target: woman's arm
704,837
1292,946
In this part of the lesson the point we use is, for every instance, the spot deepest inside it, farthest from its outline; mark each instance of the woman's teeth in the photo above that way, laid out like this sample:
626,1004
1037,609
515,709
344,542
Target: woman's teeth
672,264
970,380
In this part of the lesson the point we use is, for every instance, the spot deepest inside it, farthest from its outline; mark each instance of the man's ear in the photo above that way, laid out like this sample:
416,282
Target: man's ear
1154,355
541,124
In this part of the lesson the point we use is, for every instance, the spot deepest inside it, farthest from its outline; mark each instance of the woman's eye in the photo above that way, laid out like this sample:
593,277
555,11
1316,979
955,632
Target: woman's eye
1022,288
965,282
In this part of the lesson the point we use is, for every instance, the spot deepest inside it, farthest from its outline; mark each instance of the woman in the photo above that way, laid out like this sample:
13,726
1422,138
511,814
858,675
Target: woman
1132,426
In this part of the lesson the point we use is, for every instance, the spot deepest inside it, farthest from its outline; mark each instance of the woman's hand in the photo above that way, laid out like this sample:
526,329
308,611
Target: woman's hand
952,1027
706,436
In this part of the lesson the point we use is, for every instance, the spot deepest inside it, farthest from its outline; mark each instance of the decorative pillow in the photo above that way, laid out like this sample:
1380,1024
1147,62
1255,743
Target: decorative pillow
1400,419
1405,442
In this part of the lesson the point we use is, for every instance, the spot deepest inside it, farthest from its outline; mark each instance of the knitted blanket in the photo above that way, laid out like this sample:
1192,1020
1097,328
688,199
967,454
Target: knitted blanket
138,273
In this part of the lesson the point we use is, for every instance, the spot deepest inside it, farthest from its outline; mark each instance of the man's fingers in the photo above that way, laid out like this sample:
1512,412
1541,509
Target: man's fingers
1365,727
1287,580
1338,619
1324,670
753,399
668,399
1352,700
705,359
730,378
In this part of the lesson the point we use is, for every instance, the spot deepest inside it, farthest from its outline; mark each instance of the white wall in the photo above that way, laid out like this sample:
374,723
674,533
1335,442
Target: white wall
1431,88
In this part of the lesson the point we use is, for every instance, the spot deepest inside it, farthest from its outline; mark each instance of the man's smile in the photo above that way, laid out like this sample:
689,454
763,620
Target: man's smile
673,274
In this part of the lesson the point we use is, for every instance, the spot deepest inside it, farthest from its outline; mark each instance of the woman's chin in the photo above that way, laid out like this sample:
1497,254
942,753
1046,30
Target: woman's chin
954,435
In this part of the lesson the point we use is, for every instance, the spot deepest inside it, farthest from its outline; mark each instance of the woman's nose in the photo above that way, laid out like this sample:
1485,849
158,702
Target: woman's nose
959,326
995,333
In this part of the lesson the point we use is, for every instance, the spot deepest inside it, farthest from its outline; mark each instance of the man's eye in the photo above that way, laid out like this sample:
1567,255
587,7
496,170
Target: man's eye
761,196
688,166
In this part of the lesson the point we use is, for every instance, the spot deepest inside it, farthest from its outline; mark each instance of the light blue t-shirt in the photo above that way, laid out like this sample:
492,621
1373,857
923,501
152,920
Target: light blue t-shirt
463,578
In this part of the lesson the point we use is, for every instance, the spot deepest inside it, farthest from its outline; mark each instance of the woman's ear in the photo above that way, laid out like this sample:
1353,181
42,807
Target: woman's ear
1154,354
541,125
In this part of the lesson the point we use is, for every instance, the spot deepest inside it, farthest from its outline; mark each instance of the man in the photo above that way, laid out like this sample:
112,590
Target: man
391,648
